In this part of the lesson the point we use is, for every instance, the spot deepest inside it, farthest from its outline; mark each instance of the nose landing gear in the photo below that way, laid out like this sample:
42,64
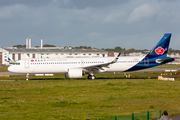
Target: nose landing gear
27,76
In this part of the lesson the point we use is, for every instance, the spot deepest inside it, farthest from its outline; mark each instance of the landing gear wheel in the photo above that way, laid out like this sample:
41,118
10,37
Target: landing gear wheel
91,77
27,76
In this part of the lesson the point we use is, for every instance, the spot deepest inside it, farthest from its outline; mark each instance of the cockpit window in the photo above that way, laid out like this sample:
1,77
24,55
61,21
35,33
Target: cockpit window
16,63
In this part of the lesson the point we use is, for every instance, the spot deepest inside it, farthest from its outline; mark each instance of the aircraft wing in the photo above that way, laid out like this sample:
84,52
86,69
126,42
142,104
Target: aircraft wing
100,66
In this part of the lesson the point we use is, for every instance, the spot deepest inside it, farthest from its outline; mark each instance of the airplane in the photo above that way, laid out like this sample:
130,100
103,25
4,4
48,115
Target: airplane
10,60
77,67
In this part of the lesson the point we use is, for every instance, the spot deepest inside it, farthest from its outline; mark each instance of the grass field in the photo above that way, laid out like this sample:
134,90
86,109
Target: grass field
110,95
3,68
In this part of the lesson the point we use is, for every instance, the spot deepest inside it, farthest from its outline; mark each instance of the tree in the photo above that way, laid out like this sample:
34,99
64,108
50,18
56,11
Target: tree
48,45
118,49
20,46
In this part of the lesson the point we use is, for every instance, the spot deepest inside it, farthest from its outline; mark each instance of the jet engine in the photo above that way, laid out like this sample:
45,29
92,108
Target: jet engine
74,73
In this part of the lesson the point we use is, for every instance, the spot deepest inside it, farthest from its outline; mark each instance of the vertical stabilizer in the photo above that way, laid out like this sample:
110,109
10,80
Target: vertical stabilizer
157,56
161,49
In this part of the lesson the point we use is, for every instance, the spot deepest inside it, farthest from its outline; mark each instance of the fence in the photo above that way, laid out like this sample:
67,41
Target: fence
149,115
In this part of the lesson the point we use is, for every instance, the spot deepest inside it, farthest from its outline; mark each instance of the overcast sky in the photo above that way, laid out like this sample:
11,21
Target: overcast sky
135,24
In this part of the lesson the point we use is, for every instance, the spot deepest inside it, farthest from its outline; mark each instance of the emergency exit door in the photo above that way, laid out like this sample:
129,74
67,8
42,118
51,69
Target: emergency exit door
26,63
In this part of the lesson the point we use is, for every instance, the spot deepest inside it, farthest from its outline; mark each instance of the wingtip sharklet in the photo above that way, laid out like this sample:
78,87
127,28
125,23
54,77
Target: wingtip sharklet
119,54
117,57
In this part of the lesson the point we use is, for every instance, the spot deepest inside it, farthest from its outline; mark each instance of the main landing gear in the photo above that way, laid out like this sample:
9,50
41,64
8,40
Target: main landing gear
91,77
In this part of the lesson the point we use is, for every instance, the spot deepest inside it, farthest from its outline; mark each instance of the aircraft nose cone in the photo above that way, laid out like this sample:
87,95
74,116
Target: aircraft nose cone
11,69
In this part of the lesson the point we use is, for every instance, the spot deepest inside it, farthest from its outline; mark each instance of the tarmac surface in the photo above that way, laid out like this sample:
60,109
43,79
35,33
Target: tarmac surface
10,73
175,117
159,69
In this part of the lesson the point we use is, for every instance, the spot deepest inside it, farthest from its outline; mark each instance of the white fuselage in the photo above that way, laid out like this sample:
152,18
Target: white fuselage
61,65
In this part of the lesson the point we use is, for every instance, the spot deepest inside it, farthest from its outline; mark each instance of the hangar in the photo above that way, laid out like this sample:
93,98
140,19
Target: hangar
47,52
55,52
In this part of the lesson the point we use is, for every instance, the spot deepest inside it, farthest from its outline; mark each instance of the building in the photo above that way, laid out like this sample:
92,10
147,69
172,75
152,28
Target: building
3,56
176,56
48,52
112,54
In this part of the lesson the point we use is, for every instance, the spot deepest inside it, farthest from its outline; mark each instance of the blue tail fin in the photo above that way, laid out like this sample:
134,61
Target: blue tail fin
157,56
10,60
161,49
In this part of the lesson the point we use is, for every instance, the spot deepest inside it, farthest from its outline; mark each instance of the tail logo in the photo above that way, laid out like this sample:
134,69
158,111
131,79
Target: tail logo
159,50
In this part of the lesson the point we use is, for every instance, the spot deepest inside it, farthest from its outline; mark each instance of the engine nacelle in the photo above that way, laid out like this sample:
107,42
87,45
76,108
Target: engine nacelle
74,73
